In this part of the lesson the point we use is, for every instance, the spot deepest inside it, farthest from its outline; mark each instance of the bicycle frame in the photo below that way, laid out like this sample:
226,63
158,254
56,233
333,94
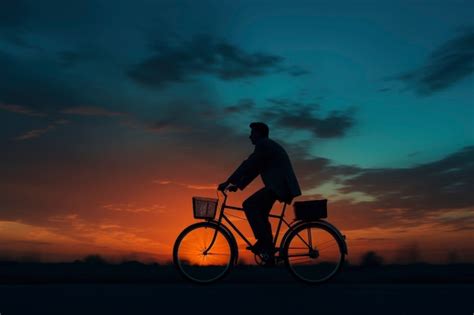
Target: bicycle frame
296,229
222,217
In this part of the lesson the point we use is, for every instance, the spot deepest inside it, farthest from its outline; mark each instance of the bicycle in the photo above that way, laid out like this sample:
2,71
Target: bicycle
312,249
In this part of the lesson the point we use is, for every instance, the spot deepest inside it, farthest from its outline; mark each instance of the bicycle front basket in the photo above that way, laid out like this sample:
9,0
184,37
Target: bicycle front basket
204,208
310,210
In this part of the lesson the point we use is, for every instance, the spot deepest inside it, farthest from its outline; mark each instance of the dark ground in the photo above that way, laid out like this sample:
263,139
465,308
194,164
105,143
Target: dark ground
135,288
235,298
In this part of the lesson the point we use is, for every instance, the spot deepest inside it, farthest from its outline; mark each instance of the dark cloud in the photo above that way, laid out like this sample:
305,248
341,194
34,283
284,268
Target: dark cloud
414,193
447,65
437,193
444,184
204,55
295,115
315,171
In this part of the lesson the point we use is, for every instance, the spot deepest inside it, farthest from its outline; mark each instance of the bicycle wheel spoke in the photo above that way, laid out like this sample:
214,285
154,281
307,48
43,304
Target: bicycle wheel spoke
309,238
313,254
302,257
298,255
326,247
303,240
295,248
217,254
203,253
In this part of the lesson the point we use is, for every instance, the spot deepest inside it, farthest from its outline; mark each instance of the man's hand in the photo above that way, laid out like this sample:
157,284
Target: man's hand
223,186
232,188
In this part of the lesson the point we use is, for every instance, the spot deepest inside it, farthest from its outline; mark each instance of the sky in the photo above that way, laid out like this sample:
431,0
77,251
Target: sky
113,114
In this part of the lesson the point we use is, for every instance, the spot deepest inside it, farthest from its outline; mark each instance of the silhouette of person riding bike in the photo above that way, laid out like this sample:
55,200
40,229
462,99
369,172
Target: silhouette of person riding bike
312,248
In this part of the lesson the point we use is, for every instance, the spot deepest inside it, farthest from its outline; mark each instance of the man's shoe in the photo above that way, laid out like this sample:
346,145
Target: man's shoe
268,260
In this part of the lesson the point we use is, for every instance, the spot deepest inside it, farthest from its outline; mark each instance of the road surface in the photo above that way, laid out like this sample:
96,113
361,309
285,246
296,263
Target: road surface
237,298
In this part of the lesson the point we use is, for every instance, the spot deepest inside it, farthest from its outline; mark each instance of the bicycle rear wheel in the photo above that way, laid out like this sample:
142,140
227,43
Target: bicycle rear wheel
204,253
313,252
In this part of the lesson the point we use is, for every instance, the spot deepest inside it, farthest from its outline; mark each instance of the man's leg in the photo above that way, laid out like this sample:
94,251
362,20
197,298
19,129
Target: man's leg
257,208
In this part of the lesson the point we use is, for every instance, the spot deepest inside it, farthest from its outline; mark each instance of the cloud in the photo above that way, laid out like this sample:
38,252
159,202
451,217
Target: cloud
133,208
447,65
189,186
204,55
444,184
439,191
315,171
162,125
20,110
35,133
104,235
90,111
294,115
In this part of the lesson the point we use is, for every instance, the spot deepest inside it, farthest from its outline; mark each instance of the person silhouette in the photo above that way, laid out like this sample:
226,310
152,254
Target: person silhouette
271,162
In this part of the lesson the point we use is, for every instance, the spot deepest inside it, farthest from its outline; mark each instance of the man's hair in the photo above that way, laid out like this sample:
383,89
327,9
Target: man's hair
261,128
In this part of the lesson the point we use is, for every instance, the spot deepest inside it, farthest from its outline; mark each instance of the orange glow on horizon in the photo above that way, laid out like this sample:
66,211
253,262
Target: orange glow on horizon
141,219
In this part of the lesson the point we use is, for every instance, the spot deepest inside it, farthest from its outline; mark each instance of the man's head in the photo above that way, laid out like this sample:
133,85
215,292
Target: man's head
259,130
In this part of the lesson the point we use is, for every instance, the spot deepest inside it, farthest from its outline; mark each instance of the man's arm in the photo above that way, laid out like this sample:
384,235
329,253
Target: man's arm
249,169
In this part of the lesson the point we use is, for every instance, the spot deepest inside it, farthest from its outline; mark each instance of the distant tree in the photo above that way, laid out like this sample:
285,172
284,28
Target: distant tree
94,259
371,259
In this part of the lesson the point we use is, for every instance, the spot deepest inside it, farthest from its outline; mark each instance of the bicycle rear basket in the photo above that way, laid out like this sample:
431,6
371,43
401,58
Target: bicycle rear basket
204,208
310,210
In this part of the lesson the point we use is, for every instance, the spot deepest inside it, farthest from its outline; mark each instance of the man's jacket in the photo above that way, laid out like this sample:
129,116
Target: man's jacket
271,162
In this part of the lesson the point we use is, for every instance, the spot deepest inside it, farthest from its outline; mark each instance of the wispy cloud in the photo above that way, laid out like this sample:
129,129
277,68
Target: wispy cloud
91,111
110,235
189,186
438,192
133,208
447,65
35,133
23,110
442,184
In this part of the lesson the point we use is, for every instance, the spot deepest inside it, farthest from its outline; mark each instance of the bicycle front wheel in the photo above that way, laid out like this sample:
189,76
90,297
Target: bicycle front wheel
313,252
203,253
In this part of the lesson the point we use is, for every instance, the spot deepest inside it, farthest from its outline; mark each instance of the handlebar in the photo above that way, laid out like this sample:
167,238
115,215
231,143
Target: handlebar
230,188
